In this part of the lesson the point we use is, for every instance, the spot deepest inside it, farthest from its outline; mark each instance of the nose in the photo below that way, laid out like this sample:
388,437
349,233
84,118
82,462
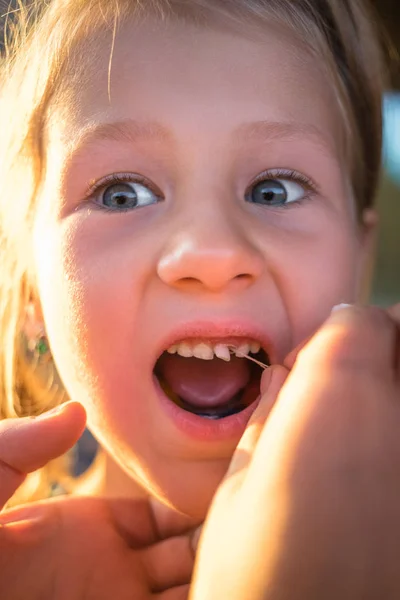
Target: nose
210,253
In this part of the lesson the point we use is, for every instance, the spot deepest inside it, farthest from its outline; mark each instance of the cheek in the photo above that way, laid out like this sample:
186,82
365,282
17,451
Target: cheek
314,271
93,289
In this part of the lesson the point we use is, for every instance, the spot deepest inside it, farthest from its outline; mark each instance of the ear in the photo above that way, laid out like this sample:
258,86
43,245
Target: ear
368,244
33,320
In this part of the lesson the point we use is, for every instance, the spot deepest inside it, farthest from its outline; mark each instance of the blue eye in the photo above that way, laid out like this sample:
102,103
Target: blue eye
275,192
126,195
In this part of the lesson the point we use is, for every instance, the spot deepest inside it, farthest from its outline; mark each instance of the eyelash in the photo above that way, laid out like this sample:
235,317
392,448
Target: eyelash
289,174
117,178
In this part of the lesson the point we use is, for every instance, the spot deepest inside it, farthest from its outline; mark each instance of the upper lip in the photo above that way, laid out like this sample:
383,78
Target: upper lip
216,330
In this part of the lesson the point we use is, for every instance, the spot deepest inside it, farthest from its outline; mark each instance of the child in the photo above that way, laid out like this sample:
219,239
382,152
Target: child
241,143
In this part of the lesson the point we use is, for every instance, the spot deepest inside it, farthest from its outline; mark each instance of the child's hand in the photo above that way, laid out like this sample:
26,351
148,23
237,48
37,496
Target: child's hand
30,443
314,511
80,548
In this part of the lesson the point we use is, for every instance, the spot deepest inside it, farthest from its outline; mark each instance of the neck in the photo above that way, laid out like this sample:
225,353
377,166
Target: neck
105,478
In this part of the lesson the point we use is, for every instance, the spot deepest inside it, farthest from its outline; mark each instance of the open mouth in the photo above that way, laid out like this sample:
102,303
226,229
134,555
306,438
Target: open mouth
213,379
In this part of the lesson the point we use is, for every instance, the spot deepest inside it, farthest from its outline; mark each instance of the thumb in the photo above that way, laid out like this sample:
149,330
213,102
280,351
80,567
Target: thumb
292,356
27,444
272,381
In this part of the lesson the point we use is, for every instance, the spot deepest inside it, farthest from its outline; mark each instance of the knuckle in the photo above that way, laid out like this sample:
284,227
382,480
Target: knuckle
30,524
371,320
379,317
363,322
357,337
394,312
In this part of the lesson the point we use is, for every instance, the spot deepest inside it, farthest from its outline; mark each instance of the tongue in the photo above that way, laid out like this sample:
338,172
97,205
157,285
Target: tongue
204,383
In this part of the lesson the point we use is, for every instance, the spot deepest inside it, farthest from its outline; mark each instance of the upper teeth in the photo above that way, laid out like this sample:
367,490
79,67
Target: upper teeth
207,351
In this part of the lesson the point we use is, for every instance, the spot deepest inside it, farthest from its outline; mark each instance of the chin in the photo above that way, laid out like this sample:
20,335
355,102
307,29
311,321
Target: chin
190,490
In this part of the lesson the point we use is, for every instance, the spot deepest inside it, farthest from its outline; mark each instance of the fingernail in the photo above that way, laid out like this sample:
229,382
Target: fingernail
340,306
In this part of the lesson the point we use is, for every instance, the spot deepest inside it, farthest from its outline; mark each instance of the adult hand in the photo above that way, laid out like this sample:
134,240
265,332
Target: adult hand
314,510
78,548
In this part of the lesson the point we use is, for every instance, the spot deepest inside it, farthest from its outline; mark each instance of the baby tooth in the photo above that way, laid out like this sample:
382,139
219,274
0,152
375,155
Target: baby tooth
203,351
243,349
255,347
185,350
222,352
172,349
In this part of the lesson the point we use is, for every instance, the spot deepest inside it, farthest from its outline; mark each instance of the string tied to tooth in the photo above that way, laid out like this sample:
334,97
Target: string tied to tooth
237,352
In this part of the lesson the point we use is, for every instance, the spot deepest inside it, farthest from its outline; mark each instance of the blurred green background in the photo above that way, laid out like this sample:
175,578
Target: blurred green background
386,288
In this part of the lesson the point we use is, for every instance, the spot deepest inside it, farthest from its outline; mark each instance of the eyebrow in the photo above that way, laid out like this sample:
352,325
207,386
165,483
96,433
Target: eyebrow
131,131
269,131
127,130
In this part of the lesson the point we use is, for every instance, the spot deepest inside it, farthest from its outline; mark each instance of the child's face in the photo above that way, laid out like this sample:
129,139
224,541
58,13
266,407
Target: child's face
194,117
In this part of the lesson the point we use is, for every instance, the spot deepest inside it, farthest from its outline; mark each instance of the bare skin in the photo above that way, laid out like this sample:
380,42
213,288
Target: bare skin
250,264
79,547
317,502
309,506
207,253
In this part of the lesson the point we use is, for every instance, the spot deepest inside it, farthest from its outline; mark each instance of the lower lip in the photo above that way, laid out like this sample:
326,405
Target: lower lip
200,428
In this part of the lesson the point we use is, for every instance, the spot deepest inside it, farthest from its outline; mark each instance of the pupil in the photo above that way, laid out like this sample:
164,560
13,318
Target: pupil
268,196
121,194
269,192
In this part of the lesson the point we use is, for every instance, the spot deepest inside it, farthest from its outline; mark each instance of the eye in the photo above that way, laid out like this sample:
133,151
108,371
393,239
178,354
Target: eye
277,191
119,193
127,195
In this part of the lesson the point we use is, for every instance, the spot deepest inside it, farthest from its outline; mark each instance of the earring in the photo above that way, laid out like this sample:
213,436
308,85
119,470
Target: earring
39,346
36,351
35,337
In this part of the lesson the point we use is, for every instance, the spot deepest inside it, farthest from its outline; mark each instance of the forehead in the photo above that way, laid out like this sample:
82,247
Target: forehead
177,82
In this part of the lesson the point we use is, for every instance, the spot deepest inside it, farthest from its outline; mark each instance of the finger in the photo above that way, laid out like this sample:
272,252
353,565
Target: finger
134,521
194,538
292,356
169,563
27,444
360,337
170,523
178,593
141,522
394,312
272,381
354,349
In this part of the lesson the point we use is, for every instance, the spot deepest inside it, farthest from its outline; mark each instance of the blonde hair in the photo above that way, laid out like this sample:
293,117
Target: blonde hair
39,56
